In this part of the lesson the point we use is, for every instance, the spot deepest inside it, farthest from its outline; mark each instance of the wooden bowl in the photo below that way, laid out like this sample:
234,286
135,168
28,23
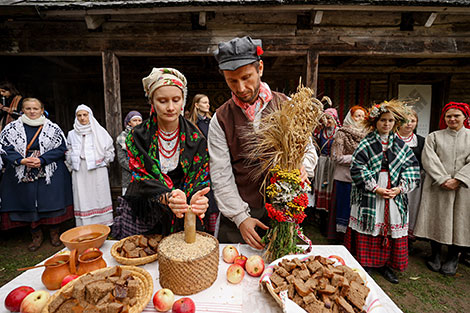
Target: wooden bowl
84,237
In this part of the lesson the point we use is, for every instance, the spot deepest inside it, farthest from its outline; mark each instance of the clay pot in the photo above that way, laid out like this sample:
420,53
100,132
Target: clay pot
90,261
56,269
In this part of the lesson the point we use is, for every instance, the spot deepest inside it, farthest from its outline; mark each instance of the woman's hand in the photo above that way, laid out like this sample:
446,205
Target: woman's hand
451,184
199,202
31,162
177,203
388,193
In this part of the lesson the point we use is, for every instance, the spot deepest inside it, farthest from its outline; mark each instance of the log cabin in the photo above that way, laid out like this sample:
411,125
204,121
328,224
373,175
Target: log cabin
354,51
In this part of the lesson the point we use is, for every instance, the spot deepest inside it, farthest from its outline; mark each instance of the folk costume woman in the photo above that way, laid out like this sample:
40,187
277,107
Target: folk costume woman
132,119
89,151
323,182
444,215
383,170
416,142
36,188
347,139
169,162
10,105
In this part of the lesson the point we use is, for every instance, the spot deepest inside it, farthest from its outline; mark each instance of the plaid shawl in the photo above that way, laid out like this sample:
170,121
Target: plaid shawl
366,164
148,182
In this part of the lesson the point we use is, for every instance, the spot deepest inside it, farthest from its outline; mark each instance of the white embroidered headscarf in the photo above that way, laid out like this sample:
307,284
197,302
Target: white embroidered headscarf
160,77
100,136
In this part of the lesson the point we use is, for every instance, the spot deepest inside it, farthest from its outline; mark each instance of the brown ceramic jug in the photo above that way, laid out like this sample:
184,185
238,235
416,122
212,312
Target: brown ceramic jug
56,269
90,261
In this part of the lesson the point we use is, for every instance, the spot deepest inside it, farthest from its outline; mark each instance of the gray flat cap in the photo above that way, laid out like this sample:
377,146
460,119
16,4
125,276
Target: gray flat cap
238,52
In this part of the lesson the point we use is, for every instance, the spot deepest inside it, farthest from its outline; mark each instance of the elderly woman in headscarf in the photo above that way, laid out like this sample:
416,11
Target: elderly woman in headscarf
347,139
443,216
169,162
132,119
36,189
383,170
323,183
89,151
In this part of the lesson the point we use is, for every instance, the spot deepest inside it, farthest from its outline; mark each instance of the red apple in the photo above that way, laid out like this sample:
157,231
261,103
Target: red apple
35,302
241,260
229,253
184,305
235,273
67,279
254,265
163,300
14,298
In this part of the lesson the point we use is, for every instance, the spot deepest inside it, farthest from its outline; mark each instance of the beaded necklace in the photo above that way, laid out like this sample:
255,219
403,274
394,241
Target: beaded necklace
406,139
165,142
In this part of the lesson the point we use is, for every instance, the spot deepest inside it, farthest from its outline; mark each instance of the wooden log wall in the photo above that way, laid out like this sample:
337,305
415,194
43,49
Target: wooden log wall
361,55
283,33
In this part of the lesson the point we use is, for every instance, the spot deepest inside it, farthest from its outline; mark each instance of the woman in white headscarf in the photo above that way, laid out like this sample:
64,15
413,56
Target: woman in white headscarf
89,151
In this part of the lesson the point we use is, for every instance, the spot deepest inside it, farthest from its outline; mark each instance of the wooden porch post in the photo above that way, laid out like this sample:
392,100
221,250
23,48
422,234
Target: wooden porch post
112,106
312,71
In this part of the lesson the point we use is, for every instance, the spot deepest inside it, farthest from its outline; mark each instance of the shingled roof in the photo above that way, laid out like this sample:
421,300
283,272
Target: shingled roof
101,4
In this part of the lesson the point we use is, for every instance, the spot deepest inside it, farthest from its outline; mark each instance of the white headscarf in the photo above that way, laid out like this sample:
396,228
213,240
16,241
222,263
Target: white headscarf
101,138
160,77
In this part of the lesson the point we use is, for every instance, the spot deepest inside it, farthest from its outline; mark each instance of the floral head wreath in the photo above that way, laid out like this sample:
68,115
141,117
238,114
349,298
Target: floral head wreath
377,110
399,110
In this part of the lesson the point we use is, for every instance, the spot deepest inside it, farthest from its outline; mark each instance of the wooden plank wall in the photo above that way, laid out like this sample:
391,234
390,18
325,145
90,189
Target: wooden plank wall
58,59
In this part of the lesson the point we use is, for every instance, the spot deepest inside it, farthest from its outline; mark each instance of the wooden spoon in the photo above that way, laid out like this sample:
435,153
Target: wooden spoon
36,266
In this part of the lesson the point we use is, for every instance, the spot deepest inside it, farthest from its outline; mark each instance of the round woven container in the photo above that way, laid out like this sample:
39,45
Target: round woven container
130,261
189,277
143,295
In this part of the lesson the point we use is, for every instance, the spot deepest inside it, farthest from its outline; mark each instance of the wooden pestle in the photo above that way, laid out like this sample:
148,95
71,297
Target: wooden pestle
190,226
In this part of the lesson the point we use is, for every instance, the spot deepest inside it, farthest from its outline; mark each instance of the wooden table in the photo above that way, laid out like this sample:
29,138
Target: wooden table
222,297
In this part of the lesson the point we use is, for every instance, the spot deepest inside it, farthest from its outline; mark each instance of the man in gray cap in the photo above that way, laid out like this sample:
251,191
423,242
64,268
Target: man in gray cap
244,218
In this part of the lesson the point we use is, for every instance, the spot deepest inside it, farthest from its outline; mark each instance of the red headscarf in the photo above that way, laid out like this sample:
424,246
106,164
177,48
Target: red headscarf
465,108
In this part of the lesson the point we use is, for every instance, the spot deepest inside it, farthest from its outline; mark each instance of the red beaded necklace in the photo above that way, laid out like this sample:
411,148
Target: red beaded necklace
406,139
328,137
168,154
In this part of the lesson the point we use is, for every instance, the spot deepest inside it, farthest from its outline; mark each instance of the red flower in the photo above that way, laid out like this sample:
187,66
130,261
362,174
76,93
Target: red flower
259,51
197,158
195,135
183,137
273,180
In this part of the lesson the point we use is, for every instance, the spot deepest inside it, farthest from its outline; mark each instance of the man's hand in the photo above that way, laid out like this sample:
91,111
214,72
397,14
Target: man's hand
249,234
303,174
451,184
199,202
177,203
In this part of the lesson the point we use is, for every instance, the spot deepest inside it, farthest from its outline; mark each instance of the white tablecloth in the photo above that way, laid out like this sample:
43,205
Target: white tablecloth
221,297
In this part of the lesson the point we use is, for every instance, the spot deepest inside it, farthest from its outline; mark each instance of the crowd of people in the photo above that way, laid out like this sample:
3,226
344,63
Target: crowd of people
378,185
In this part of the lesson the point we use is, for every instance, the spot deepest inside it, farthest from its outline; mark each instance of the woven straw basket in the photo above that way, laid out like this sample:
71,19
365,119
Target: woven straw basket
144,294
189,277
130,261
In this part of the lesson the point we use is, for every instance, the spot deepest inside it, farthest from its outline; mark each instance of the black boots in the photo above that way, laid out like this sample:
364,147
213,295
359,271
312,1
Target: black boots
388,274
434,262
449,268
37,239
